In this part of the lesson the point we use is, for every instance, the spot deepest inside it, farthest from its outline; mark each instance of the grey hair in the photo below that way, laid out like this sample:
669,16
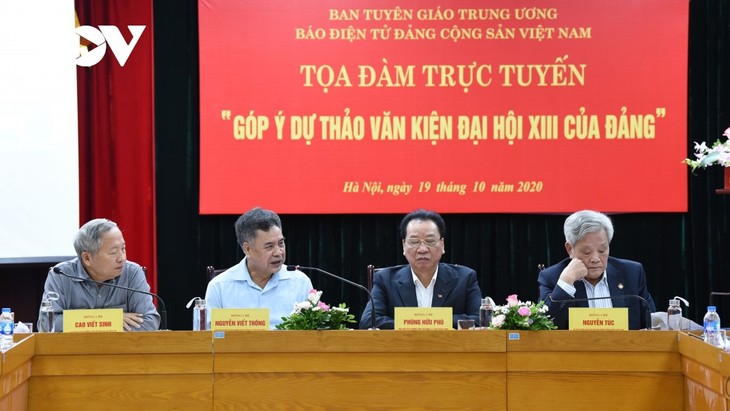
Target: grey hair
583,222
253,220
89,236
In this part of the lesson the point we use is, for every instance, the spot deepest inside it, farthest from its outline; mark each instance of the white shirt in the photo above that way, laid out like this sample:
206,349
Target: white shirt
592,291
424,295
235,288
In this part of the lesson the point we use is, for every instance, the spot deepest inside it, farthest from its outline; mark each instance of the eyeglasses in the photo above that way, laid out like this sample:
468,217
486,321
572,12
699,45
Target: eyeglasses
428,242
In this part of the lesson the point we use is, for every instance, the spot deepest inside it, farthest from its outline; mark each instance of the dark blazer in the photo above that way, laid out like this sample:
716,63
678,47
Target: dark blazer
625,277
456,287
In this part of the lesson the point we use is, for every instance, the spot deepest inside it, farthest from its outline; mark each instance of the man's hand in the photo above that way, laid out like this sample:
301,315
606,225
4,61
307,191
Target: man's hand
575,271
132,320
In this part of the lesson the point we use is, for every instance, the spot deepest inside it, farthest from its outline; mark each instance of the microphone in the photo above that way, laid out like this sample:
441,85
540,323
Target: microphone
162,310
647,311
345,280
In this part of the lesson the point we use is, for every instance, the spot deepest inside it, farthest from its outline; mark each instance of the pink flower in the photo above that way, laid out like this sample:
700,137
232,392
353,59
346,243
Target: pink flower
727,133
512,300
498,320
323,306
524,311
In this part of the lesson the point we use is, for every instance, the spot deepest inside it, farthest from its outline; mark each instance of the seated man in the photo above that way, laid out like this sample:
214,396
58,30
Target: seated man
424,282
589,273
261,279
102,256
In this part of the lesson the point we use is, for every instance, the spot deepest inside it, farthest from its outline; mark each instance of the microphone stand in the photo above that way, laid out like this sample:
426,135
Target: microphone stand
345,280
647,311
162,310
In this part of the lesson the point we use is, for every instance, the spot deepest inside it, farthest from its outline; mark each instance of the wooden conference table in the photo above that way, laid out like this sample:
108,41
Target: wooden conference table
344,370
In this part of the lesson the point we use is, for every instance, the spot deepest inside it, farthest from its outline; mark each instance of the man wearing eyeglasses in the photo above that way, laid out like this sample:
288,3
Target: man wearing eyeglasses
425,281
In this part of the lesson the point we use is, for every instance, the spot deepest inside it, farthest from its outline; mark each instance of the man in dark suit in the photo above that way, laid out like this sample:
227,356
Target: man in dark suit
589,272
424,282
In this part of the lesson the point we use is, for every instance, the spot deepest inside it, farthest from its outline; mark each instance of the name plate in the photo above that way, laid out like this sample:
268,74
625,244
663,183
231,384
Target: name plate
598,319
423,318
93,321
229,319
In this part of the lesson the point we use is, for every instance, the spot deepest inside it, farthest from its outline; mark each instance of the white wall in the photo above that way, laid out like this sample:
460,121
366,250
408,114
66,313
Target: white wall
39,177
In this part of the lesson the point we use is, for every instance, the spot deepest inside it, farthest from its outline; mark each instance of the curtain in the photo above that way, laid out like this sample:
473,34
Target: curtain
116,131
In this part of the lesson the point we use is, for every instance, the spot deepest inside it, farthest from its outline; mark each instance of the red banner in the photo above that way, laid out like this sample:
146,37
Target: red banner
490,106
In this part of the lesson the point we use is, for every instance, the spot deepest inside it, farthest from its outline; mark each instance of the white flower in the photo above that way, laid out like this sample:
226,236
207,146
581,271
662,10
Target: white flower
314,296
718,153
700,147
522,315
298,307
314,314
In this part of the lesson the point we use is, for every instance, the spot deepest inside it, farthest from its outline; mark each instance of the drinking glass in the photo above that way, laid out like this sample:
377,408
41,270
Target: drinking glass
47,320
466,324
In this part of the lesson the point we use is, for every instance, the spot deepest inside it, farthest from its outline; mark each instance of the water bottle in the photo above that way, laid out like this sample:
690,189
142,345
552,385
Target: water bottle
47,320
712,327
7,326
200,315
485,312
674,315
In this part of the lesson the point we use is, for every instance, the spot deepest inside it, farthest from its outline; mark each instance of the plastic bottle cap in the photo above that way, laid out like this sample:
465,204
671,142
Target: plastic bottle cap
673,301
6,310
711,308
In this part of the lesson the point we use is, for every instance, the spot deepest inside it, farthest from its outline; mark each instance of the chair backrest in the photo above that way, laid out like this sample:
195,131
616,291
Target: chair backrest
371,273
211,271
371,270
